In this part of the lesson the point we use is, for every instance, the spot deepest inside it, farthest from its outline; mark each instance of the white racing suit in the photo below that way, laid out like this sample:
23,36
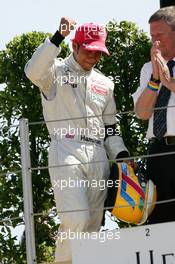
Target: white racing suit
71,98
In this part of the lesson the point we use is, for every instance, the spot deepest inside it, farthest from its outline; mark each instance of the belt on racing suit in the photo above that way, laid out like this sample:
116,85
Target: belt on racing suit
80,138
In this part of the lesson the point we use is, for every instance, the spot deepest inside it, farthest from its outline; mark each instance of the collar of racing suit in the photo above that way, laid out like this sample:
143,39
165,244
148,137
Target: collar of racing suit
73,65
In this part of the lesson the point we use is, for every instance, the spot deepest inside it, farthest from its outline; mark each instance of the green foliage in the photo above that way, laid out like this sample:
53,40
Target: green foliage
20,98
9,248
129,49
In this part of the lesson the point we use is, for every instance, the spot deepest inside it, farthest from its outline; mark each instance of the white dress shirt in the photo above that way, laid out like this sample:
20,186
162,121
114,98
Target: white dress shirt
145,75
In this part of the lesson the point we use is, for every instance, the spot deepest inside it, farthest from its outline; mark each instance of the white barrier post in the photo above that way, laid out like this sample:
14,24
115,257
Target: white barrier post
27,191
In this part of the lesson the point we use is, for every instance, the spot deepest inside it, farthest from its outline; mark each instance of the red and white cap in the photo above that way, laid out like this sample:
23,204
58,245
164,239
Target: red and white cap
91,36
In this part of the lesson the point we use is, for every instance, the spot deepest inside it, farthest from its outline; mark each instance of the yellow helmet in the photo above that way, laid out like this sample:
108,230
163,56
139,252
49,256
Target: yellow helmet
134,198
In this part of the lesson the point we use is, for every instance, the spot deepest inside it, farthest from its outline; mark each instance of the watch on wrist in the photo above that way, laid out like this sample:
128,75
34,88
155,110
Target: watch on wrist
157,81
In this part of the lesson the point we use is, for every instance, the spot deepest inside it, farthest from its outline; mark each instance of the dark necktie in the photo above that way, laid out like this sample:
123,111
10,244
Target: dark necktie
160,116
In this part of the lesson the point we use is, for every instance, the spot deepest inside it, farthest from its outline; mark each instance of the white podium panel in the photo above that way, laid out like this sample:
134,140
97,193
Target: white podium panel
151,244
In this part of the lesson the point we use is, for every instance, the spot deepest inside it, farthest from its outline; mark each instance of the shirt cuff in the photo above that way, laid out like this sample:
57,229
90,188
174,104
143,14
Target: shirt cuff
122,154
57,38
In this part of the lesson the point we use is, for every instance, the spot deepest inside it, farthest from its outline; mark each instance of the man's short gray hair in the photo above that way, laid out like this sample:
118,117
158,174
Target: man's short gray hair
167,14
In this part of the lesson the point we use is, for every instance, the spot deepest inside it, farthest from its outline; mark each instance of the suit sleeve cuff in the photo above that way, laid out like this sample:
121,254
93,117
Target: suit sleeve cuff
122,154
57,38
